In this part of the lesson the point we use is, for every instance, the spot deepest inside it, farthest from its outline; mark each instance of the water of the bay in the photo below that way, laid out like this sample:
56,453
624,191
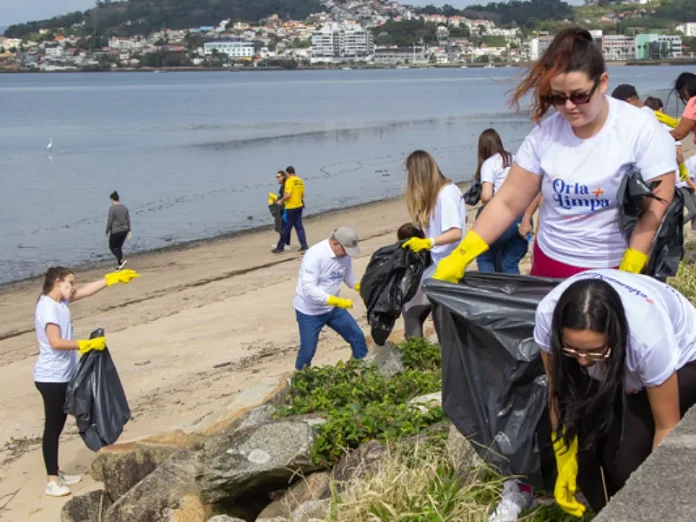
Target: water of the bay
194,155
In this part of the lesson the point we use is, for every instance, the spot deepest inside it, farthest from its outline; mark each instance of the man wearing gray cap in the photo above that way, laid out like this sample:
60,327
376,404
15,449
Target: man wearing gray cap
317,304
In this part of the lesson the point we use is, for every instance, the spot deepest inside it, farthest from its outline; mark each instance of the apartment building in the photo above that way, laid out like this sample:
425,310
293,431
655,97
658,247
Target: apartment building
338,42
235,50
618,48
658,46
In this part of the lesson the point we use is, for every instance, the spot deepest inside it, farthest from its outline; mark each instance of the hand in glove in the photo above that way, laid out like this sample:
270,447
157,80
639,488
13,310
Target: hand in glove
87,345
124,276
417,244
452,268
633,261
566,482
339,302
357,287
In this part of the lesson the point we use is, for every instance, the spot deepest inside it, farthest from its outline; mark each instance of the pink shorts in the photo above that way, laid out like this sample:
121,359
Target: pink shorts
544,266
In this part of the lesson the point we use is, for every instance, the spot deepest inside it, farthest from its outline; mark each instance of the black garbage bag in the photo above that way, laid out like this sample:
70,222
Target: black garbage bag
667,249
96,399
391,280
493,381
277,213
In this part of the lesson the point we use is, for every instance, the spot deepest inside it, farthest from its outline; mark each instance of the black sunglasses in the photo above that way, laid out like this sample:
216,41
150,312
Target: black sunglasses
577,98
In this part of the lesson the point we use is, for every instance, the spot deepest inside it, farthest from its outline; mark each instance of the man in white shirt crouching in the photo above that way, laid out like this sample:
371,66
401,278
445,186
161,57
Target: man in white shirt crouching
317,304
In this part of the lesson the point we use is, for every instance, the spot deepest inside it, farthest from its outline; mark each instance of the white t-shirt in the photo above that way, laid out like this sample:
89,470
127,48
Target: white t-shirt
579,219
661,322
690,164
449,213
321,275
53,365
493,171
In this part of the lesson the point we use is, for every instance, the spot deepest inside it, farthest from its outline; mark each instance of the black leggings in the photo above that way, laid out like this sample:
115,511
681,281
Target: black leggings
116,240
620,458
53,394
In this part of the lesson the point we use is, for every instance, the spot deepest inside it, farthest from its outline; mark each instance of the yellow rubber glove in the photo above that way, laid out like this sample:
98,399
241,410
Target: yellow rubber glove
417,244
452,268
272,198
667,119
683,172
87,345
633,261
357,286
339,302
124,276
566,481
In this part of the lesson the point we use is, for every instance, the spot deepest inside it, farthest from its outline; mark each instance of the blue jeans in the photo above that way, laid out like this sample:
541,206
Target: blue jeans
338,320
294,219
506,253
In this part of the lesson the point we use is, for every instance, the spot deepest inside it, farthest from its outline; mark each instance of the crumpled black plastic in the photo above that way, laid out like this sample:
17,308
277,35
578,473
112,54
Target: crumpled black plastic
667,249
96,399
391,280
493,381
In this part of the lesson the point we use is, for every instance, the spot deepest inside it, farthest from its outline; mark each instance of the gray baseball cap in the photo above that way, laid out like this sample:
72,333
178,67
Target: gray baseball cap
348,239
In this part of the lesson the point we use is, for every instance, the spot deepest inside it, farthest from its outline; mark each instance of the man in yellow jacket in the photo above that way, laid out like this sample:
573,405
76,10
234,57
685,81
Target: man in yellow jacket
294,205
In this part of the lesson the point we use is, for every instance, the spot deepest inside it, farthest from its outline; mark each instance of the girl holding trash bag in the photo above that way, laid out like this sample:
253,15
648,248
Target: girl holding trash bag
57,362
576,158
620,356
277,211
436,206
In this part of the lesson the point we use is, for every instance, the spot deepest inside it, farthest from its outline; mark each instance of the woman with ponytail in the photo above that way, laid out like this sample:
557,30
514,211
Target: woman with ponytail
620,358
576,158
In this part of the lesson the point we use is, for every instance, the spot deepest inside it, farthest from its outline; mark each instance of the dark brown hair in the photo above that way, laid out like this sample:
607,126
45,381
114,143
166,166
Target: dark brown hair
53,274
114,195
409,230
490,144
572,50
654,103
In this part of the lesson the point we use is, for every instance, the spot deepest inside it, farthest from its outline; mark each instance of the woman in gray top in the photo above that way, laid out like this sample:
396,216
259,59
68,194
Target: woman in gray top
118,227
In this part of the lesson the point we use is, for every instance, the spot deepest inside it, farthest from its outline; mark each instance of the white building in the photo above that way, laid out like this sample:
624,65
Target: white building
54,52
687,29
342,42
619,48
235,50
537,46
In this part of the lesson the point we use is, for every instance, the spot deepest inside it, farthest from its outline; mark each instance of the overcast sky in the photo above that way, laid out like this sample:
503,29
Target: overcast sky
17,11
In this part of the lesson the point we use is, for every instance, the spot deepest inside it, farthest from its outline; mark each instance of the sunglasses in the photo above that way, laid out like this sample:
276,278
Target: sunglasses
577,98
595,355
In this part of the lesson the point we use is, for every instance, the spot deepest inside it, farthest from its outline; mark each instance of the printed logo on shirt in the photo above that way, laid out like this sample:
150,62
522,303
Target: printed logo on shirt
630,289
336,275
586,199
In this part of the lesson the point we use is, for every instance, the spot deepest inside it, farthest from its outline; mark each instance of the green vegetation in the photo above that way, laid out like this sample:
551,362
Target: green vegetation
685,281
405,33
522,13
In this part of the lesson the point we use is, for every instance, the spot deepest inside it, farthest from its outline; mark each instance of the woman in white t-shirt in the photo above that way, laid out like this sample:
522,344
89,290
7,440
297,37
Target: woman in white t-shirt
494,164
436,206
619,352
576,158
57,362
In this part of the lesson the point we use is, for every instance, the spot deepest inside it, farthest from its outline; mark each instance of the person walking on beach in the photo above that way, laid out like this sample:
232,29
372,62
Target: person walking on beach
293,199
436,207
118,228
57,362
317,303
278,211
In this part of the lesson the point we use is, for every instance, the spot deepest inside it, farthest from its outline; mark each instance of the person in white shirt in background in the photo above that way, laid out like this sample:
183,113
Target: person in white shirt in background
619,352
325,266
57,362
436,206
494,164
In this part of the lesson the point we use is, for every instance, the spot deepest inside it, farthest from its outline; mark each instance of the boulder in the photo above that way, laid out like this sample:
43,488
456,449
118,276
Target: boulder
257,416
314,487
260,458
225,518
312,510
386,359
121,467
274,519
168,494
90,507
359,464
425,402
462,454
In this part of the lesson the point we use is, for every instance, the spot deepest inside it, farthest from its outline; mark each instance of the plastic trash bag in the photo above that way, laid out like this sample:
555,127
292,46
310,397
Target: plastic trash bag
472,196
493,381
667,249
277,213
96,399
391,280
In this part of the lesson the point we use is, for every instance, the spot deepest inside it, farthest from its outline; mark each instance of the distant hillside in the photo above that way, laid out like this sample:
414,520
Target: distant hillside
2,29
144,16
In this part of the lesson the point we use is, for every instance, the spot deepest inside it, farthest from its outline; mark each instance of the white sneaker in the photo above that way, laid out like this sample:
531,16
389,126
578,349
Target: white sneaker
123,263
513,503
57,489
69,480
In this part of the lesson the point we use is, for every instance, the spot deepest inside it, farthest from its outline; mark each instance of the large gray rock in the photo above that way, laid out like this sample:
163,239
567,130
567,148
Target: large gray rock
257,416
312,510
425,402
122,467
359,464
90,507
260,458
462,454
314,487
168,494
386,359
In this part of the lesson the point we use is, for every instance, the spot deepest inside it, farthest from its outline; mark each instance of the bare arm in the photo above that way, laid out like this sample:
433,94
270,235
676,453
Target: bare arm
453,235
546,359
89,289
651,218
680,154
691,184
513,198
55,340
486,192
664,403
110,220
685,126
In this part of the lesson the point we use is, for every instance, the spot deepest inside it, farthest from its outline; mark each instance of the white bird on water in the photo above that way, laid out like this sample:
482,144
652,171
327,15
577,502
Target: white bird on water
50,145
